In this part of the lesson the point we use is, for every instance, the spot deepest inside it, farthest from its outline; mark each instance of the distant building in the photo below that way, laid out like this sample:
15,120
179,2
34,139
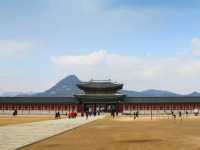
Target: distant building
98,96
104,95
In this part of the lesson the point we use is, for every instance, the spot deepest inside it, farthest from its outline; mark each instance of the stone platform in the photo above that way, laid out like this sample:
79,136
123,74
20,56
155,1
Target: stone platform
16,136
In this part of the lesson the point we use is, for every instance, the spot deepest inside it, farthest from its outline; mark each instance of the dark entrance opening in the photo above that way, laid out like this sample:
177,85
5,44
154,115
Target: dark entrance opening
100,107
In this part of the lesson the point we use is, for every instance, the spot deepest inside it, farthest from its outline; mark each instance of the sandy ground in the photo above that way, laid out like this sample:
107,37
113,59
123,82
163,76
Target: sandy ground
9,120
124,133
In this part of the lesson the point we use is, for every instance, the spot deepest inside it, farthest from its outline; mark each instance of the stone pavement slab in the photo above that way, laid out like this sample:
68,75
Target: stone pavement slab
16,136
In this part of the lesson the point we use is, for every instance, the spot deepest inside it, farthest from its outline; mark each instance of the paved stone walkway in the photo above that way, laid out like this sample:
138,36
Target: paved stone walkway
16,136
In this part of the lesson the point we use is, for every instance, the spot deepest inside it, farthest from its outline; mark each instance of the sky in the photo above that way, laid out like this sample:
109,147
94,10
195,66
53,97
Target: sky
143,44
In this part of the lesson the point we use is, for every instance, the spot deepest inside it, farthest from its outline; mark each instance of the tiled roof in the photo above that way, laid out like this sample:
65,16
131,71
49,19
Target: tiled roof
162,100
99,85
40,100
74,100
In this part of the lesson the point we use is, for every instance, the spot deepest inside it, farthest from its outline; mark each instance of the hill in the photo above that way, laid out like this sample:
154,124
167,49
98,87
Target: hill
66,87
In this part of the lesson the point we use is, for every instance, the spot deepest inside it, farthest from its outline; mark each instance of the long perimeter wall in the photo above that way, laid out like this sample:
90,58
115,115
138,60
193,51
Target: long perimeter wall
49,105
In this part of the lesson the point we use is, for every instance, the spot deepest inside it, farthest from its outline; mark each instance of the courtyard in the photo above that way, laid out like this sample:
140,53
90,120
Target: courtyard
125,133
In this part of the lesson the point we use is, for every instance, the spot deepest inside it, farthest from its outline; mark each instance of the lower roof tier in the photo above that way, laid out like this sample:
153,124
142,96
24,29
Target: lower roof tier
74,100
100,96
39,100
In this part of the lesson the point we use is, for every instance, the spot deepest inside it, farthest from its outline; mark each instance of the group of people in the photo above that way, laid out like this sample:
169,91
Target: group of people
113,113
136,114
71,114
74,114
57,115
90,113
179,114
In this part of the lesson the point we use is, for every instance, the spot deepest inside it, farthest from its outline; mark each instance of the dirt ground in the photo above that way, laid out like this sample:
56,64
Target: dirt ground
8,120
127,134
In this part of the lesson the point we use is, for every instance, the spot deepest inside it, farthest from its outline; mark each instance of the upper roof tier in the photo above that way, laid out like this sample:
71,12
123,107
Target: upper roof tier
100,85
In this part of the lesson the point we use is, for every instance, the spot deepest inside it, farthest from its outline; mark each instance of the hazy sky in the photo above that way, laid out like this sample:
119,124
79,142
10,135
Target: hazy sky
144,44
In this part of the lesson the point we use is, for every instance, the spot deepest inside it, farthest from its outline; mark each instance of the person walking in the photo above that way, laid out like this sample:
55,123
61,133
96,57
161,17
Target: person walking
134,114
180,115
174,115
86,113
15,113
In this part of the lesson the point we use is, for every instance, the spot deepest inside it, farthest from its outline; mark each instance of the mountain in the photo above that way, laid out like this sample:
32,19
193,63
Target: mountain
194,94
131,93
158,93
11,94
66,87
150,93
